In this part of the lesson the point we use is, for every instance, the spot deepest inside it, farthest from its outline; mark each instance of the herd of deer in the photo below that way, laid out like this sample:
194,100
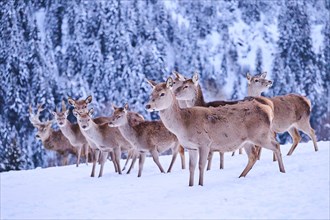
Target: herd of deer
186,122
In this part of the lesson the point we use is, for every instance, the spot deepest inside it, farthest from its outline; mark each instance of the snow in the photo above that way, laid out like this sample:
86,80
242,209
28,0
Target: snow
69,193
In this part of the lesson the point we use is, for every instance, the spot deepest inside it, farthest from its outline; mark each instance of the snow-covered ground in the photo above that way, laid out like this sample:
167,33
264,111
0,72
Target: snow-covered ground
69,193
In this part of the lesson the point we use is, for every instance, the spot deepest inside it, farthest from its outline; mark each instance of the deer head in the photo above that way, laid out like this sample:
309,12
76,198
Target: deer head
161,96
84,119
188,89
119,116
61,116
80,106
258,84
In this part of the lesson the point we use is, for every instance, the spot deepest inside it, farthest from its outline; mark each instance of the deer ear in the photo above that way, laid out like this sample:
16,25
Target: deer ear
88,99
248,77
114,107
195,78
126,107
71,101
179,76
67,112
91,112
263,75
152,83
169,82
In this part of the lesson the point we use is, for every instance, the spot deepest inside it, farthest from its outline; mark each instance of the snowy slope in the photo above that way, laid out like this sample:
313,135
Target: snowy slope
69,193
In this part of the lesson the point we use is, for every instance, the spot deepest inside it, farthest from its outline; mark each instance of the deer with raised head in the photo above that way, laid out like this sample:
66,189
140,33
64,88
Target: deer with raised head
147,136
291,112
103,138
81,106
225,128
71,132
51,139
191,93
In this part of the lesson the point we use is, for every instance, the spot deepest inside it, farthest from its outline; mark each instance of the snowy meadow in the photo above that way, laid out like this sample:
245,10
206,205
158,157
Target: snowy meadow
70,193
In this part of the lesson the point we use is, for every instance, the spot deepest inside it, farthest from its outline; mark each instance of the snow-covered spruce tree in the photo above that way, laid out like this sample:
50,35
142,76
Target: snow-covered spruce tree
259,64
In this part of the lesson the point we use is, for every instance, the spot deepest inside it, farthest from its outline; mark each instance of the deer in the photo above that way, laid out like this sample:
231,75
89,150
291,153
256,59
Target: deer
224,128
81,106
71,132
291,111
51,139
191,93
147,136
103,138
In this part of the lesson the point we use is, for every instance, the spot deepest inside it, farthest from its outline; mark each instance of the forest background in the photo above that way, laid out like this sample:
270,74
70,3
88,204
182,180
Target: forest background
52,49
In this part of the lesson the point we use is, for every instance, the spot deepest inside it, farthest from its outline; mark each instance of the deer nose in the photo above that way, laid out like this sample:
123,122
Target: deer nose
148,106
61,123
270,83
84,126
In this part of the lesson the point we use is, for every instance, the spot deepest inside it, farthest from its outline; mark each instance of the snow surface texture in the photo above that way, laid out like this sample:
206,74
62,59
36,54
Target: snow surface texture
69,193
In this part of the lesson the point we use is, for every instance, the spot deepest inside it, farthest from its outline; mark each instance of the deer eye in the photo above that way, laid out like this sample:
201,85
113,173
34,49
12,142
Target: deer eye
162,94
185,87
256,80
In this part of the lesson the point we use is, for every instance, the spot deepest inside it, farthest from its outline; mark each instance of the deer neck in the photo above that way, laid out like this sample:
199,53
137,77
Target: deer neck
53,138
171,117
253,92
128,132
199,98
93,132
68,130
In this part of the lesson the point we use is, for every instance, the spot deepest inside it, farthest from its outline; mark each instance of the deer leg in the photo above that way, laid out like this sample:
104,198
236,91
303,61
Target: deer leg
134,158
274,146
141,163
258,151
240,151
193,154
95,161
183,160
117,155
307,129
294,133
104,156
203,153
129,156
252,155
112,156
175,150
65,160
209,160
86,148
222,160
155,157
79,154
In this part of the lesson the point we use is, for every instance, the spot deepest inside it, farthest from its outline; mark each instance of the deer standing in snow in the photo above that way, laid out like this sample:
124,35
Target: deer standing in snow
291,112
191,93
147,136
81,106
72,132
51,139
104,138
225,128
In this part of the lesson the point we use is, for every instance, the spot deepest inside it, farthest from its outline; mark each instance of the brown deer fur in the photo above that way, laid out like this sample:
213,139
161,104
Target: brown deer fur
291,112
147,136
225,128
